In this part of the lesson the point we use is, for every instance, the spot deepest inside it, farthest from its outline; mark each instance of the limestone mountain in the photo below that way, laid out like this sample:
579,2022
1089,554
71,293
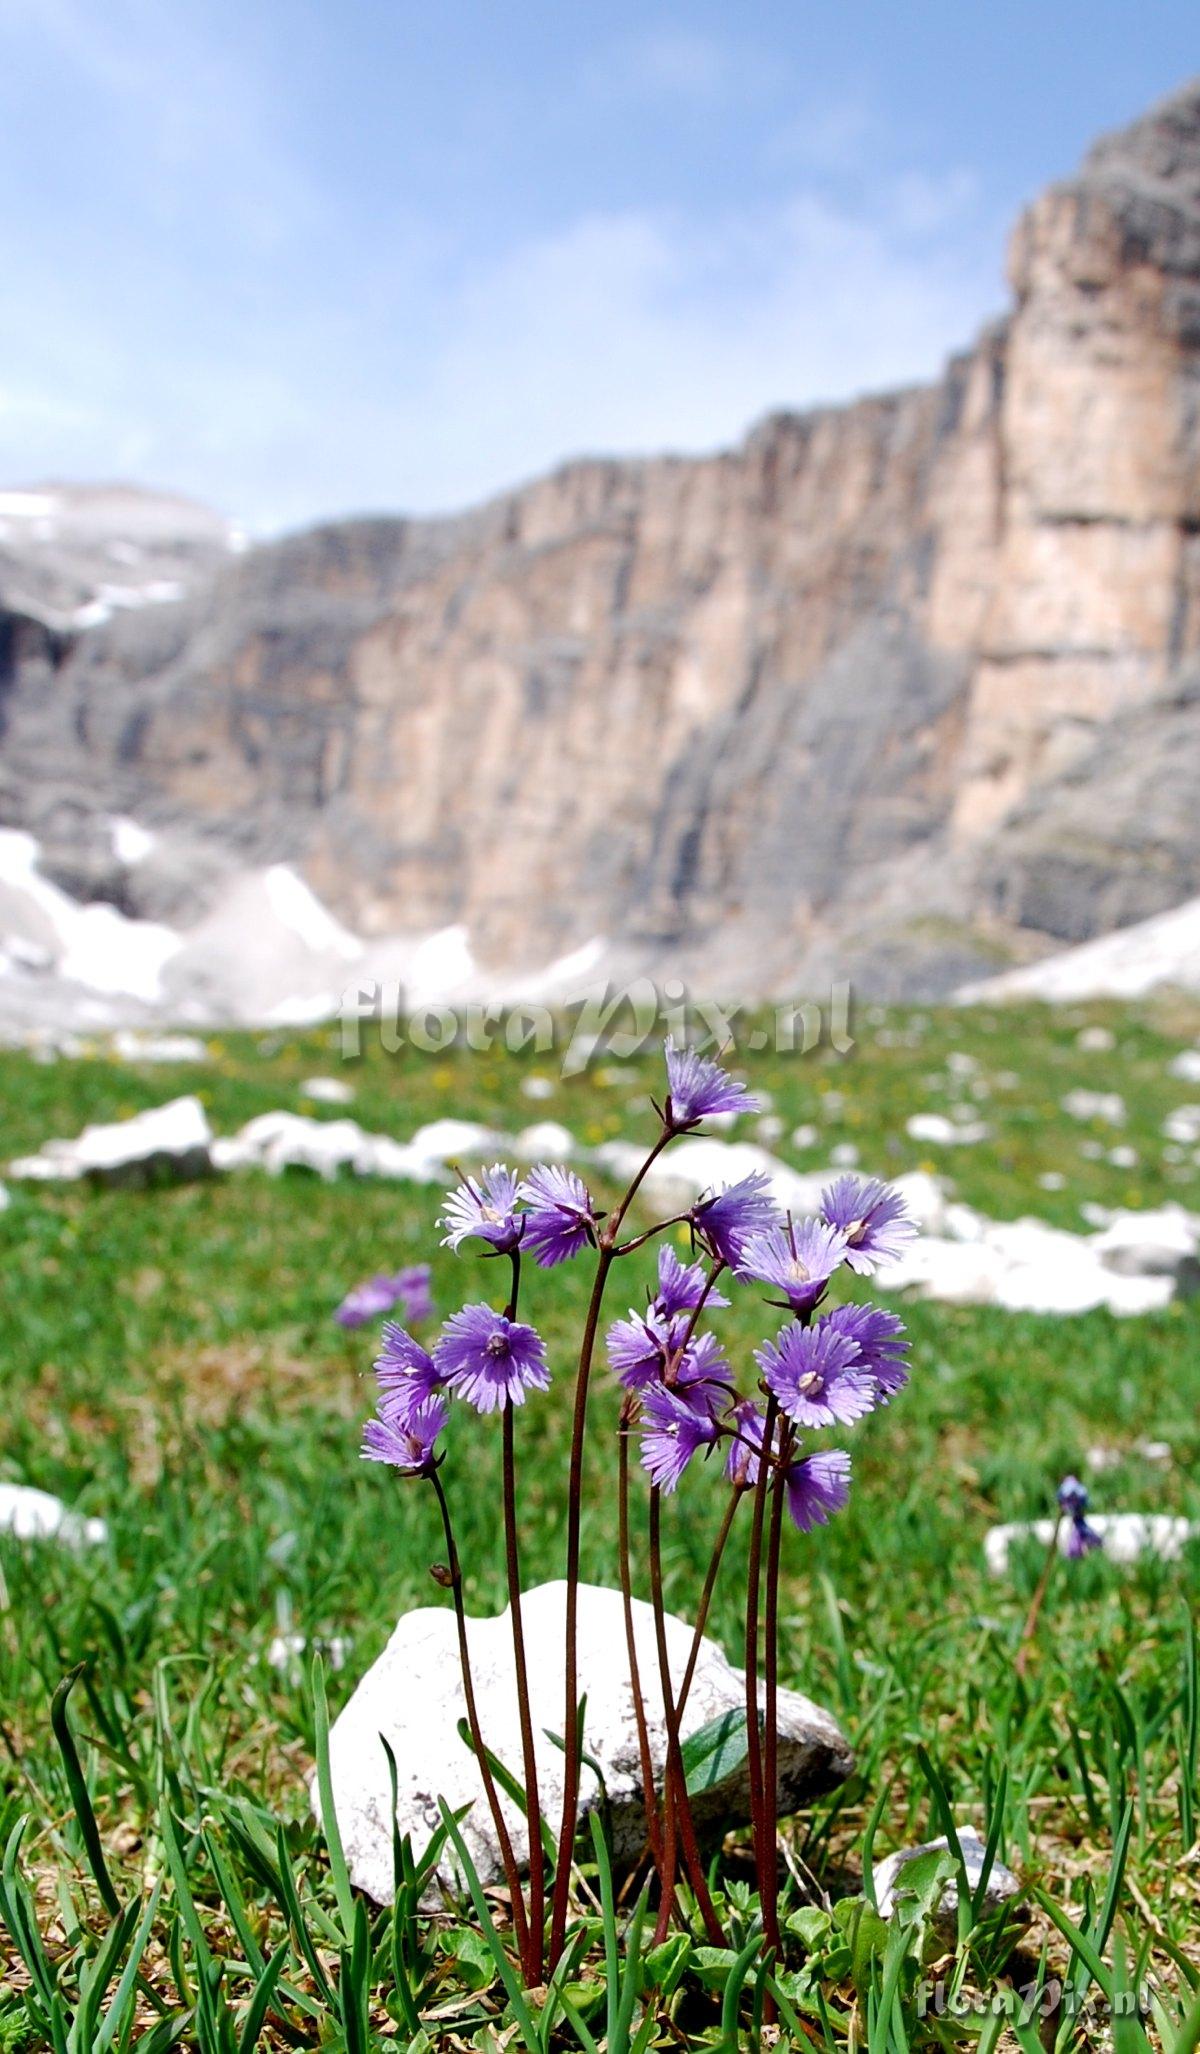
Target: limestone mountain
897,690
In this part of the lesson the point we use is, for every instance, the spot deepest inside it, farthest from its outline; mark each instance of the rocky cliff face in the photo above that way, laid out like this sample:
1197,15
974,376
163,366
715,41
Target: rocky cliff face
891,690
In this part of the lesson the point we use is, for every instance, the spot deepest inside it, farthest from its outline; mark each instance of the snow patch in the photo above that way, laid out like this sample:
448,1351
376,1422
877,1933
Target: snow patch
1127,964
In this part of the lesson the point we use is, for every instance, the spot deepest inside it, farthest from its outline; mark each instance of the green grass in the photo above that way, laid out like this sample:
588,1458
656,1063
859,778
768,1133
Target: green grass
170,1363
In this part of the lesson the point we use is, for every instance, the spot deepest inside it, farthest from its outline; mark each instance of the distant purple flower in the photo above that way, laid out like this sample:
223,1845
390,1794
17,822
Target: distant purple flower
412,1286
815,1374
745,1448
1073,1501
485,1206
406,1374
488,1359
673,1432
1082,1538
873,1218
816,1486
796,1260
732,1217
697,1088
881,1341
408,1444
681,1285
561,1218
1072,1497
366,1301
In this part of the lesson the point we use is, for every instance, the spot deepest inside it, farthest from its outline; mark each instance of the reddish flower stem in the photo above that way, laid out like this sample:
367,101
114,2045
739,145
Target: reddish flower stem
511,1872
676,1799
1039,1598
768,1881
639,1708
754,1760
533,1809
710,1583
566,1837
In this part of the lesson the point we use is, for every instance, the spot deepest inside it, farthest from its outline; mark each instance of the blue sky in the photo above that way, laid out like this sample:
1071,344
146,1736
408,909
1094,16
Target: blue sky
301,258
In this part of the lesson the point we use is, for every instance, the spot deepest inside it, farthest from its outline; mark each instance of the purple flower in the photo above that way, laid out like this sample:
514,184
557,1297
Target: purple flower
797,1260
881,1343
406,1374
681,1285
1082,1538
816,1375
490,1360
561,1217
1073,1501
487,1207
638,1349
872,1217
413,1295
408,1444
697,1088
366,1301
673,1432
700,1378
816,1486
744,1459
1072,1497
732,1217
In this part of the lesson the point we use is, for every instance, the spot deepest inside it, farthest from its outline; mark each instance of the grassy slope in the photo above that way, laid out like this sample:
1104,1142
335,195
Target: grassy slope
169,1361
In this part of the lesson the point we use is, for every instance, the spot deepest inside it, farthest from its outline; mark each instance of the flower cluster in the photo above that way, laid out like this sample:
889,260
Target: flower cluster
825,1365
488,1358
823,1368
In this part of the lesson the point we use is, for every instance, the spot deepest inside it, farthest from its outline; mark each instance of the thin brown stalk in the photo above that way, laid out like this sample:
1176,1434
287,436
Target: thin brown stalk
566,1835
533,1809
675,1778
639,1708
768,1881
754,1761
1034,1613
511,1872
710,1583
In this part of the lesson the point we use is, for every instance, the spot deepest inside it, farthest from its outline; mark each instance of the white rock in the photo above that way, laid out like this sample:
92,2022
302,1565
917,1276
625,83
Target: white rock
29,1514
941,1132
446,1141
287,1649
1096,1040
546,1142
1183,1125
1186,1066
130,1046
327,1090
1001,1883
1108,1106
1127,1536
1162,1242
173,1140
413,1696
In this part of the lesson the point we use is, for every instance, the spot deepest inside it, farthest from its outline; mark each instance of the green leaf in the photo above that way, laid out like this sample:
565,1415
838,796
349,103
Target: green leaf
716,1751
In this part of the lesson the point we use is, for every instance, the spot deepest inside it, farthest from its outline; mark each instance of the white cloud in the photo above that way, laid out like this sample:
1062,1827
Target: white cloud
284,352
